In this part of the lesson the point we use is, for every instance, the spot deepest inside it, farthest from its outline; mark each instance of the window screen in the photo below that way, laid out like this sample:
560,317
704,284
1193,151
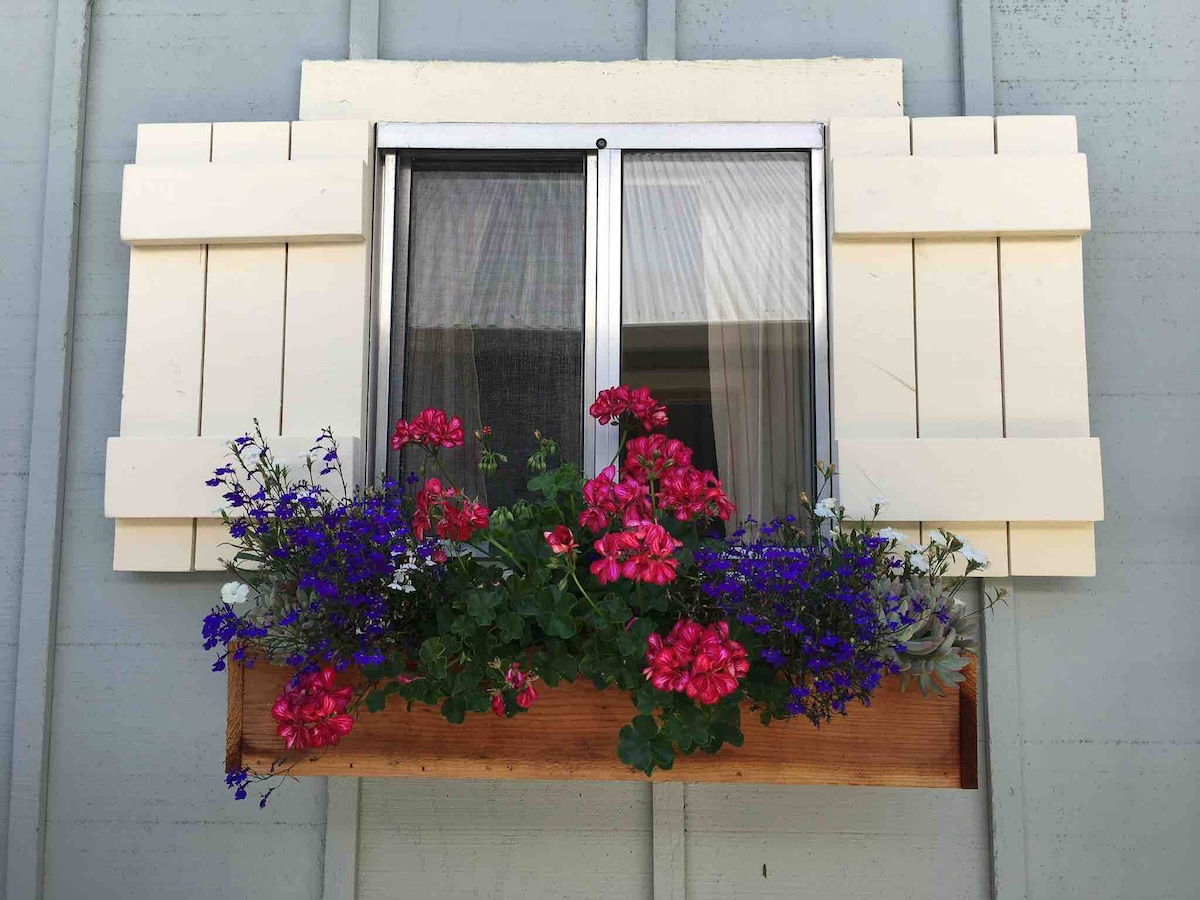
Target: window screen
492,310
716,312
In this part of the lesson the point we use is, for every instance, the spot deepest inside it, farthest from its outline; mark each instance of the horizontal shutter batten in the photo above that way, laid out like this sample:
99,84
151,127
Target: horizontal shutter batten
242,202
929,196
974,480
165,477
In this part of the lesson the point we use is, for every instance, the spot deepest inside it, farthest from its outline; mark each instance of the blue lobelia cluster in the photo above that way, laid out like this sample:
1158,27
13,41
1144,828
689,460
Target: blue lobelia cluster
324,566
810,601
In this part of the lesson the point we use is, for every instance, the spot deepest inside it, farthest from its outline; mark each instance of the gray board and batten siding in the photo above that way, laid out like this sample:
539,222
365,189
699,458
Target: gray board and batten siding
1097,781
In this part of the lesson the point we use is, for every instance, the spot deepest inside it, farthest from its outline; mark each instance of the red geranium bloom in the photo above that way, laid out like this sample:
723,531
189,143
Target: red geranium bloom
457,517
599,494
613,549
311,712
692,494
610,404
459,522
653,561
644,553
432,428
700,662
655,454
514,676
561,540
614,402
427,499
651,413
633,498
522,683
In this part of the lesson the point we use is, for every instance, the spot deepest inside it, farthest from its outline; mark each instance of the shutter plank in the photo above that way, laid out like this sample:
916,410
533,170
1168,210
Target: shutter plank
244,313
959,393
163,347
1045,359
871,311
328,306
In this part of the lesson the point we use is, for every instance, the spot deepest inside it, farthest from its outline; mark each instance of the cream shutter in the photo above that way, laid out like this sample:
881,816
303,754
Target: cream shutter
249,292
956,316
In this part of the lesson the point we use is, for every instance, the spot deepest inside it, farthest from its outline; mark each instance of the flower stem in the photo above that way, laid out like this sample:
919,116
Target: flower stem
583,590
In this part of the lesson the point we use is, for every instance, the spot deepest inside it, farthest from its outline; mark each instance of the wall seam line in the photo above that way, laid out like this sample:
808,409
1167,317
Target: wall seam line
1001,703
33,695
660,29
364,38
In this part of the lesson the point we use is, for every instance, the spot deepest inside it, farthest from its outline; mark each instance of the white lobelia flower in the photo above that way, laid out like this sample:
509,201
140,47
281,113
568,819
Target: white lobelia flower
400,580
235,592
308,456
891,534
918,562
878,503
251,455
937,537
827,508
971,554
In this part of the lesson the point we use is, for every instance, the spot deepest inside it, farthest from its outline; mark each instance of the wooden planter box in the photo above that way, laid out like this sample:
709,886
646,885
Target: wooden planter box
901,740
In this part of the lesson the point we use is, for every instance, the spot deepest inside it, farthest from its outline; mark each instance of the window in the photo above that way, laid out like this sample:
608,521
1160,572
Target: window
524,267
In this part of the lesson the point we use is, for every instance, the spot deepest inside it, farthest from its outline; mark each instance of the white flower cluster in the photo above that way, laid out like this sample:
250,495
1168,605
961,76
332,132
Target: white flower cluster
407,562
937,538
916,553
827,508
235,592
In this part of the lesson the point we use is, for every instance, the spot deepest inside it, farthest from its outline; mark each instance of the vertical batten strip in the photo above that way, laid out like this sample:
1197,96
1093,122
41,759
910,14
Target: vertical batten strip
164,339
958,328
668,803
660,29
1045,357
341,839
243,322
871,311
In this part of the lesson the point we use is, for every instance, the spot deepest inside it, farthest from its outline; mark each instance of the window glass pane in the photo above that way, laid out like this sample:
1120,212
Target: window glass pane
716,312
494,311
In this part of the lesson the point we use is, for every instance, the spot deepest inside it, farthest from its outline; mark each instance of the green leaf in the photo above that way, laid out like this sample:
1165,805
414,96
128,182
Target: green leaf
557,616
724,733
454,709
510,625
615,609
544,483
377,700
481,605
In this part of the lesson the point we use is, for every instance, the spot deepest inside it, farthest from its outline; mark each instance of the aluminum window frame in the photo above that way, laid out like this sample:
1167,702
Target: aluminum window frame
602,146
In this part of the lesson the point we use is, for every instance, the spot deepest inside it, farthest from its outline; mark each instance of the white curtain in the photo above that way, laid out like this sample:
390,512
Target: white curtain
724,239
494,312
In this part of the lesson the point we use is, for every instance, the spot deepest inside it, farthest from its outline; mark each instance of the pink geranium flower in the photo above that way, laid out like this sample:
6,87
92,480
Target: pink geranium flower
701,662
432,428
560,539
311,712
615,402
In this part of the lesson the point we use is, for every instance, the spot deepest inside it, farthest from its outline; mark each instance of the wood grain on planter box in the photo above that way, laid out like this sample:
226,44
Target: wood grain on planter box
901,740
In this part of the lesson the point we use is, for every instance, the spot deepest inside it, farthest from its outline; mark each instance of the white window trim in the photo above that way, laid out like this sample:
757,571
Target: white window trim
604,144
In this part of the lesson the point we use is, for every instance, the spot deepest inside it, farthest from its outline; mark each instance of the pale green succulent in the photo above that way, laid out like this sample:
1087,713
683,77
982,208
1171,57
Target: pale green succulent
934,648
